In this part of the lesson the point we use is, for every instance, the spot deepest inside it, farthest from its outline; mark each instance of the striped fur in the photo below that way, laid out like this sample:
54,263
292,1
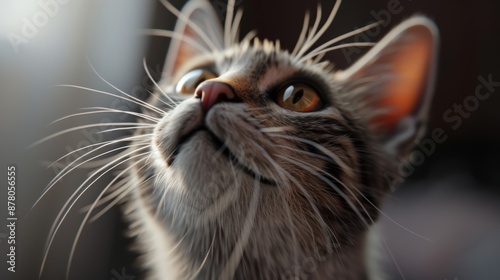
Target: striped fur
319,205
263,192
249,189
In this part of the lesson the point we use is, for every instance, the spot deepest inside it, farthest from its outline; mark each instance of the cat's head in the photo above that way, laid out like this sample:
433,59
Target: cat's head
266,141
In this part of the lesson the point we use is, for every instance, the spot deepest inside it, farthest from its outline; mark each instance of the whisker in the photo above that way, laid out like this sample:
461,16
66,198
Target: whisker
237,253
311,154
177,36
197,272
63,172
276,129
392,220
312,30
158,87
250,35
101,110
224,200
310,169
323,29
327,152
143,103
235,31
289,179
212,45
318,58
132,113
124,128
302,36
70,202
292,232
80,229
115,190
393,259
358,191
111,142
118,195
344,196
228,23
139,102
338,47
344,36
83,127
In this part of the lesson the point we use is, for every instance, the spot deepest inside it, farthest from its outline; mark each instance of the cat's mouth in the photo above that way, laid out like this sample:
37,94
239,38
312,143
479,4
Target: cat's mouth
219,146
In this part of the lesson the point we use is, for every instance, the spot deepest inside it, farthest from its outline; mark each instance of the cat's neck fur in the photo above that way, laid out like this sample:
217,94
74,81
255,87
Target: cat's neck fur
199,254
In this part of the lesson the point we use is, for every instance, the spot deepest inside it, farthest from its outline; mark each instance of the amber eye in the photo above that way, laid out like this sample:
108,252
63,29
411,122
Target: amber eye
300,98
188,83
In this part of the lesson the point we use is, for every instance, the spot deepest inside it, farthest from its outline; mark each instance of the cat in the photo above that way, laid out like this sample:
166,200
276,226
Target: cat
250,161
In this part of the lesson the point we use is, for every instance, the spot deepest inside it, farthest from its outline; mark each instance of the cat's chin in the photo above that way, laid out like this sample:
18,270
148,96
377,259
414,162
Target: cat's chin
198,183
201,135
203,146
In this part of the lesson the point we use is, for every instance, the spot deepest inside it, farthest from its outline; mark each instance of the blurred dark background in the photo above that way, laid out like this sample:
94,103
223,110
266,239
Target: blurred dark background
443,222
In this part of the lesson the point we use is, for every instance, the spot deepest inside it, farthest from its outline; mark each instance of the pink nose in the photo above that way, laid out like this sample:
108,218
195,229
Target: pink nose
211,92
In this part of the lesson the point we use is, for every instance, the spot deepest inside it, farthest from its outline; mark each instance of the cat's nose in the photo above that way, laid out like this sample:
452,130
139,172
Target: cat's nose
212,92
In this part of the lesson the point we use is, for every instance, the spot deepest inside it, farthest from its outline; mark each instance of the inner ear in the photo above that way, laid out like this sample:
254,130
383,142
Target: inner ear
406,88
198,31
400,70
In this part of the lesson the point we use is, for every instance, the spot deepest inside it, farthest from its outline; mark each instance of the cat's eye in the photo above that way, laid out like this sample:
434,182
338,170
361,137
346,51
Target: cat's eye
191,80
300,98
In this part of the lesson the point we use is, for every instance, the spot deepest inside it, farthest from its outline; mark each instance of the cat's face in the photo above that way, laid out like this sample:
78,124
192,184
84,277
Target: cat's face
283,130
256,139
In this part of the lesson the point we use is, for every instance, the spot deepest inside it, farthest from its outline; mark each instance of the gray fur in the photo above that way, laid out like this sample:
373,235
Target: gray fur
251,190
326,170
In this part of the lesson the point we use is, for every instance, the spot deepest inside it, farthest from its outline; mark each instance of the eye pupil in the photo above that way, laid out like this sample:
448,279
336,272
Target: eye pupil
198,82
298,95
300,98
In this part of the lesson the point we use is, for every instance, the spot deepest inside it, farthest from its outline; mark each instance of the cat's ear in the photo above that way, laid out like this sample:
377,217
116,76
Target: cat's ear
198,30
395,81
